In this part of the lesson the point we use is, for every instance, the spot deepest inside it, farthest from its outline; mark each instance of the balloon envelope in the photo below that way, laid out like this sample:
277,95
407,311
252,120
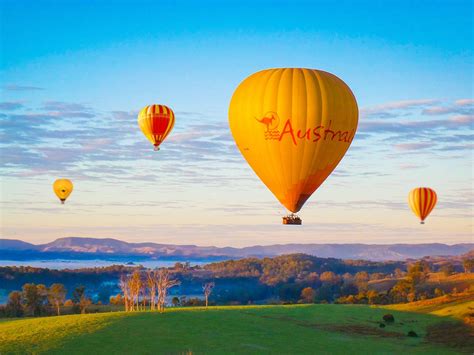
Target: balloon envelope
156,122
62,188
422,200
293,126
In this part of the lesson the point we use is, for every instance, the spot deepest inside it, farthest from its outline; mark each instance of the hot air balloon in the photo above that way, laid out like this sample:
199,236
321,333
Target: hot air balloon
156,122
293,126
62,188
422,201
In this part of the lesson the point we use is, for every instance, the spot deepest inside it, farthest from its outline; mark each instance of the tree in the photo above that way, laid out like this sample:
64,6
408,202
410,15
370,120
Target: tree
135,287
151,278
418,272
308,295
207,289
349,289
178,266
313,277
80,299
329,277
132,286
399,293
362,280
468,265
34,298
351,299
124,286
57,296
163,285
175,301
78,293
348,278
411,297
325,293
447,269
84,303
372,297
117,300
14,307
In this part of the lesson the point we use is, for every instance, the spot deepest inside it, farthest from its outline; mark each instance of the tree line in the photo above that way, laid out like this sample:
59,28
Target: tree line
38,300
140,290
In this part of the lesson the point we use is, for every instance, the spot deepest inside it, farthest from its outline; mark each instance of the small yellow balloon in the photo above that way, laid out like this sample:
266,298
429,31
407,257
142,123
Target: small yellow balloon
293,126
62,188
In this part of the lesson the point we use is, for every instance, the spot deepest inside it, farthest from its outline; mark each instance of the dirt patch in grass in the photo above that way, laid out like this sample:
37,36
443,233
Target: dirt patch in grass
360,329
354,329
454,334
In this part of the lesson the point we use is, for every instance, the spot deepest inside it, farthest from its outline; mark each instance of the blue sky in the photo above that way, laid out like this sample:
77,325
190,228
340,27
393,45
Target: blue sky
74,75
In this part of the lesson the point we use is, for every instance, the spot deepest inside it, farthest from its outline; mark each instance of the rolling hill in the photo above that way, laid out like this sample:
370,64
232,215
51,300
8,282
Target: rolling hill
301,329
78,246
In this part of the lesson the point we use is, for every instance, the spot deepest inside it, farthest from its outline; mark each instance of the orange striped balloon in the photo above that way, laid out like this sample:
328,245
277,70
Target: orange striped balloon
156,122
422,201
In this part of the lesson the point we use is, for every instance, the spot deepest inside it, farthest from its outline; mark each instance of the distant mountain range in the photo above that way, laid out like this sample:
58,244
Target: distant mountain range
85,248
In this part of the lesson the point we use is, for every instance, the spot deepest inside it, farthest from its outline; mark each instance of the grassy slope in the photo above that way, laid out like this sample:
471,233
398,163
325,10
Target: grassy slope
458,306
278,329
450,331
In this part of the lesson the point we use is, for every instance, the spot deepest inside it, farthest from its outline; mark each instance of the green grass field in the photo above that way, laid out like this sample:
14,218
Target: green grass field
301,329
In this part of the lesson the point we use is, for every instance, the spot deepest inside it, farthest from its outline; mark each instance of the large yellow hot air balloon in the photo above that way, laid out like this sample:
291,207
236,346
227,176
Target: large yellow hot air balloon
422,201
62,188
293,126
156,122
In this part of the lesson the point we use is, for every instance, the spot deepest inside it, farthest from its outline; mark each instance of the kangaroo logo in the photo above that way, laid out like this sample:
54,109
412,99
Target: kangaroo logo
270,120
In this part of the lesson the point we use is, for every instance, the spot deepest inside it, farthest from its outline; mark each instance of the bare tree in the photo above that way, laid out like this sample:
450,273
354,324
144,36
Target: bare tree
207,289
151,281
135,286
143,291
153,286
124,286
164,282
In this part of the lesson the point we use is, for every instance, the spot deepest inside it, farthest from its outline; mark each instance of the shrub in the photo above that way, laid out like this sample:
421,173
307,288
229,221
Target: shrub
412,334
69,303
381,325
389,318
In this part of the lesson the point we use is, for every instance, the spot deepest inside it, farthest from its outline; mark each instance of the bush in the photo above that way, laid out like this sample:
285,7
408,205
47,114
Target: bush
381,325
68,303
389,318
412,334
